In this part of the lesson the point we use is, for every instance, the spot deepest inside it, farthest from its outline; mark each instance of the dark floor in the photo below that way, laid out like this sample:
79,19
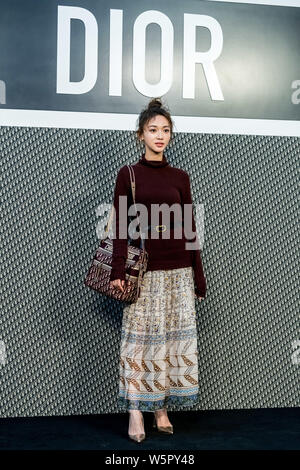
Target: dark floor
261,429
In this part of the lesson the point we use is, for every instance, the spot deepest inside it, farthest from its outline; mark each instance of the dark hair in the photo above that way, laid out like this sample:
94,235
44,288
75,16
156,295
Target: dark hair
155,107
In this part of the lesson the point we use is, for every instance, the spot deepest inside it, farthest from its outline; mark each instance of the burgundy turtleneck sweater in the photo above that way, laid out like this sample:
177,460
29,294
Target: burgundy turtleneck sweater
157,182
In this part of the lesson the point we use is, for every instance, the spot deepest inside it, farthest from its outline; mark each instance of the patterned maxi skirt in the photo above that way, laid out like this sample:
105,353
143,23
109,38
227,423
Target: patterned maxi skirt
158,353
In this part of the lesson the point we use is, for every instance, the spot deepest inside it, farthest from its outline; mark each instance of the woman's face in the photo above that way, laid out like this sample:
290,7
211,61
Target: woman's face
157,131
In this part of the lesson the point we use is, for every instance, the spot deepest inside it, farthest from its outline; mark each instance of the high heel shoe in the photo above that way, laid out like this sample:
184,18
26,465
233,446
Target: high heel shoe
166,429
137,437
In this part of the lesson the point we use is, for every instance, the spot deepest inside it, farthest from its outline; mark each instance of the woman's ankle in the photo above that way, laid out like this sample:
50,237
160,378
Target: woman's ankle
137,412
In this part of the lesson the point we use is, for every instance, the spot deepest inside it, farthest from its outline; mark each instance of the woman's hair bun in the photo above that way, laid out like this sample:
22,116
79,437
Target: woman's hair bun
155,103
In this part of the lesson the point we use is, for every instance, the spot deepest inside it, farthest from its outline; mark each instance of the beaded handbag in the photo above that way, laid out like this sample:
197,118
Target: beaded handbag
98,276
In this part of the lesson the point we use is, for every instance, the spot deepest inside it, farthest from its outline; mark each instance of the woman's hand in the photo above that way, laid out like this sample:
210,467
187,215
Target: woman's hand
119,283
199,298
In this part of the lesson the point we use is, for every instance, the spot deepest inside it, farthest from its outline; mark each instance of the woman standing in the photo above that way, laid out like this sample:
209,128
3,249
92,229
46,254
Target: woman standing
158,355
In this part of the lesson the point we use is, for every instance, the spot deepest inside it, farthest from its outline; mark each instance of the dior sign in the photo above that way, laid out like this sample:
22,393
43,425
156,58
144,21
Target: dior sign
92,64
191,56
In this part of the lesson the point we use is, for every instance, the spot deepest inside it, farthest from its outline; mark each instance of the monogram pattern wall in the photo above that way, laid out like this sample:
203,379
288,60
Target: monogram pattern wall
60,340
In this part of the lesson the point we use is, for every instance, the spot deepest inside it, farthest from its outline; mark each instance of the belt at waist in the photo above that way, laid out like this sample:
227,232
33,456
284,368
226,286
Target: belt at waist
161,228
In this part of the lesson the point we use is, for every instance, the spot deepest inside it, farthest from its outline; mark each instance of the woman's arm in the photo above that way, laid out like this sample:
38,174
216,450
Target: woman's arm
120,224
199,277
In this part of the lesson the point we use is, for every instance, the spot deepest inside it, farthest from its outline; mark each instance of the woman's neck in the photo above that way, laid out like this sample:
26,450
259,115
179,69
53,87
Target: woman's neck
152,156
154,163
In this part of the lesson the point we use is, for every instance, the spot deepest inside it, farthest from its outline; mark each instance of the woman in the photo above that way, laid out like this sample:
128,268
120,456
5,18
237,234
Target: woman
158,356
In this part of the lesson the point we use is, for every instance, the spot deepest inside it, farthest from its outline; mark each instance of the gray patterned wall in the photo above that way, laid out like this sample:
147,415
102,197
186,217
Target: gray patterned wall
60,340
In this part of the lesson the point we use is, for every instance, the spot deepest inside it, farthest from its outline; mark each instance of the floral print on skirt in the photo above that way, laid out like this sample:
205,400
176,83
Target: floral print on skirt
158,353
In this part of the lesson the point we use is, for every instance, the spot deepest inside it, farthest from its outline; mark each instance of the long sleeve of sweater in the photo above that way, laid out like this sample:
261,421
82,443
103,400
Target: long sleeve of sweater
120,224
199,277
